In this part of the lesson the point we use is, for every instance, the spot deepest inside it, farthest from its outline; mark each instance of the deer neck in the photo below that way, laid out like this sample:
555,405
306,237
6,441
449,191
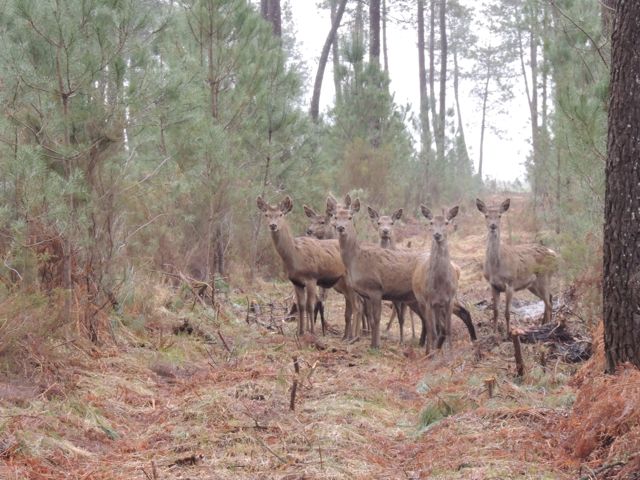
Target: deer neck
388,243
349,246
285,246
439,261
493,251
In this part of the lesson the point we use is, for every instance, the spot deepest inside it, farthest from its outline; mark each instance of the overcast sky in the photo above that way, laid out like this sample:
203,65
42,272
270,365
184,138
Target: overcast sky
503,157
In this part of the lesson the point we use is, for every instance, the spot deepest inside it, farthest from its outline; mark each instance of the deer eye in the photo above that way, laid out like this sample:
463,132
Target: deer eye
430,223
446,223
499,216
486,216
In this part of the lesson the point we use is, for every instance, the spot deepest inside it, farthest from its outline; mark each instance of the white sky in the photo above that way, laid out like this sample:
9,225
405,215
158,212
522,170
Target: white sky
503,157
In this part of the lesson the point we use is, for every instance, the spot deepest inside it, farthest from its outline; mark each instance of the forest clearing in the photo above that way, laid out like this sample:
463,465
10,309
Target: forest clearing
204,392
450,185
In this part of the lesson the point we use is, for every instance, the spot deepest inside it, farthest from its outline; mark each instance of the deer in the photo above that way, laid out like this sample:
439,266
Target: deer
510,268
376,273
435,280
308,262
386,231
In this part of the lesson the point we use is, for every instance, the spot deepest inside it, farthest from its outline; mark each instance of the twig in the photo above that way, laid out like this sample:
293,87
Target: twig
211,363
224,342
515,338
603,468
270,450
294,387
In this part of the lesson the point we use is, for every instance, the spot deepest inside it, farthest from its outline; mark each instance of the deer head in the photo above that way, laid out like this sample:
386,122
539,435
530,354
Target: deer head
493,215
440,225
319,224
275,214
384,223
342,215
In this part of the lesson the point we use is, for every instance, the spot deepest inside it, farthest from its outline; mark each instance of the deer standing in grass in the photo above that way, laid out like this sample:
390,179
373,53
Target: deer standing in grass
308,262
376,273
435,280
385,225
512,268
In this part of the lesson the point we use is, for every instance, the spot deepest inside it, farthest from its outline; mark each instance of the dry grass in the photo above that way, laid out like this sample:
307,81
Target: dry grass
159,405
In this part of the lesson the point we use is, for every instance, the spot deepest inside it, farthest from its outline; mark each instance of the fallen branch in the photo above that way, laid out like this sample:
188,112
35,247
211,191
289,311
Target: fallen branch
294,387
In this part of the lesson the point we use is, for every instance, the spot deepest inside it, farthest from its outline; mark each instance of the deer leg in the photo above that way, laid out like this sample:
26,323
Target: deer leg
413,325
391,318
300,297
508,293
430,330
447,325
348,314
375,307
495,296
311,303
397,307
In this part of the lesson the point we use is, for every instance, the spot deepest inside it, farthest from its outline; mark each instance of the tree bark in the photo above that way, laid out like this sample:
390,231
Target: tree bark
374,32
322,63
621,286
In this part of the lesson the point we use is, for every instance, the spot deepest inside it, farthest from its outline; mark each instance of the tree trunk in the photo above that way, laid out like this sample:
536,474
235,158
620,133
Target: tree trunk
621,287
425,130
270,11
485,96
385,51
432,65
440,135
374,32
335,54
456,74
322,63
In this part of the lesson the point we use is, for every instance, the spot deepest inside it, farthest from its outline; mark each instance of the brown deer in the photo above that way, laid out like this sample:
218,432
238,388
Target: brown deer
308,262
512,268
376,273
435,280
385,225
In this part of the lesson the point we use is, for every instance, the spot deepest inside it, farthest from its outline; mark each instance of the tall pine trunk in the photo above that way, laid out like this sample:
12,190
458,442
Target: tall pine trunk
621,287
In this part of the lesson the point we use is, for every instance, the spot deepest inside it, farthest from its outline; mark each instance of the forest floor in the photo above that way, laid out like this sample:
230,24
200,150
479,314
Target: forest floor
187,391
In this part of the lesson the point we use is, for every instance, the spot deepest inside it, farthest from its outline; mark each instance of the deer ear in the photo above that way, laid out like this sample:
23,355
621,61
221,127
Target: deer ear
453,212
373,214
356,205
481,206
426,212
262,206
397,215
331,205
309,212
286,205
347,200
504,206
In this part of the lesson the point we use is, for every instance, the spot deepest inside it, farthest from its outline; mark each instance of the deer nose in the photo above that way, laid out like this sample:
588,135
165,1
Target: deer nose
493,226
385,231
340,228
309,232
273,227
437,236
